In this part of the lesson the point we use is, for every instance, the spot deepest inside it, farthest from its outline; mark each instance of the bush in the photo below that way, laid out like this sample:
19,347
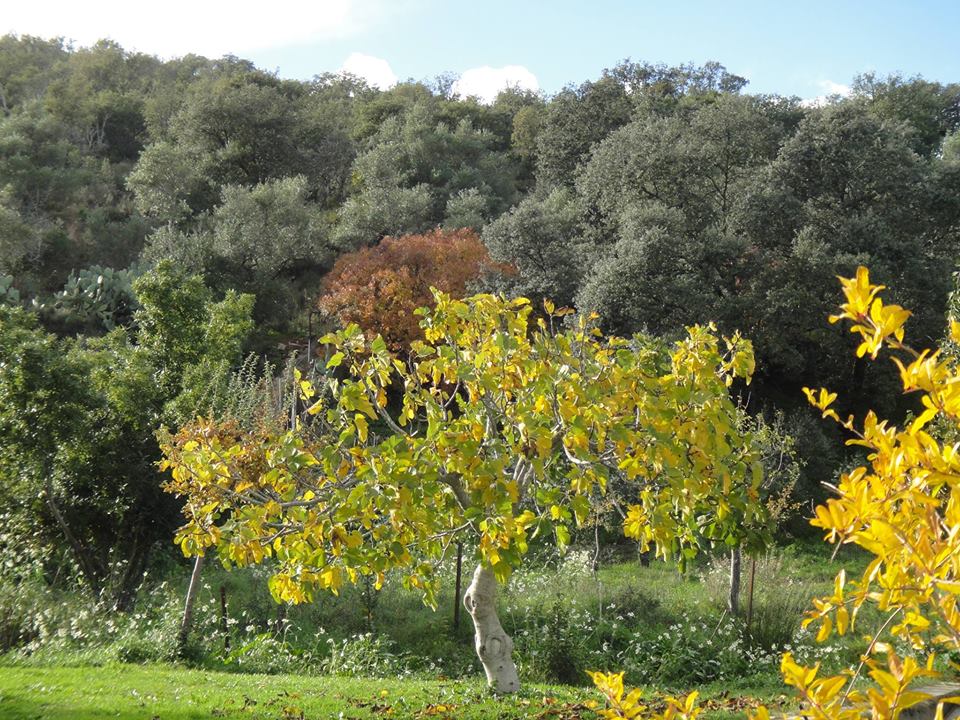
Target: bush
776,616
780,596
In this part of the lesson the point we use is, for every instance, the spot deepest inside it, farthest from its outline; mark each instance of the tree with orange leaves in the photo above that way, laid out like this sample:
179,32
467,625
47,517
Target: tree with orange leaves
378,288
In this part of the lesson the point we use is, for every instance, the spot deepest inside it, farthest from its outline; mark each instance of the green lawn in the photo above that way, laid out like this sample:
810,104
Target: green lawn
165,692
173,693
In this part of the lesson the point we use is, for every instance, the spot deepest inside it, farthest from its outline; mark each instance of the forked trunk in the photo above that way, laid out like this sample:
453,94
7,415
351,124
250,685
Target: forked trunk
494,646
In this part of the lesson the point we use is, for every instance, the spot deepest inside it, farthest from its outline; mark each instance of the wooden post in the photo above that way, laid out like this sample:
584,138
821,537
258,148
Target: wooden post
456,594
224,625
753,572
293,405
281,616
595,563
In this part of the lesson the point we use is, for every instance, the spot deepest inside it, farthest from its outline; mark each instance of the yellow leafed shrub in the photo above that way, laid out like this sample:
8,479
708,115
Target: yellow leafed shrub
903,507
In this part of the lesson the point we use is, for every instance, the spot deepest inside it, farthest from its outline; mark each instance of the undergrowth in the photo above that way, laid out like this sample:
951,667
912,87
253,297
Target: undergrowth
659,626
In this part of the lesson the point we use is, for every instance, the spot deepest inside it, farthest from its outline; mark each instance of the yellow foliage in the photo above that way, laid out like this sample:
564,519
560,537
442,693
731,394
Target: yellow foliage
629,707
500,432
903,507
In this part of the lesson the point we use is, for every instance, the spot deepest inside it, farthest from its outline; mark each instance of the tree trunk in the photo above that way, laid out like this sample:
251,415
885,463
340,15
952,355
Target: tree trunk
456,598
644,557
733,602
88,568
187,620
125,589
494,646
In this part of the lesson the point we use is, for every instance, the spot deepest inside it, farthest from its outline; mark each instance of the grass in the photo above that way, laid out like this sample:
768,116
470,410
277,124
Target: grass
668,631
167,692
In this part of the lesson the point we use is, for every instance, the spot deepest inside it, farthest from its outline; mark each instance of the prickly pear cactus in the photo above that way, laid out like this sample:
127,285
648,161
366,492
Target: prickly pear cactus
96,295
9,295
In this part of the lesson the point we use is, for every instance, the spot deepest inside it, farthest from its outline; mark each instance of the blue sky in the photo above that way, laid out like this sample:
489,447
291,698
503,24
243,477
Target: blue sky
794,48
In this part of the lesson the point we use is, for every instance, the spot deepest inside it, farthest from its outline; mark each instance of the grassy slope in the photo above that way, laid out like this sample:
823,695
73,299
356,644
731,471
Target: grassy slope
166,692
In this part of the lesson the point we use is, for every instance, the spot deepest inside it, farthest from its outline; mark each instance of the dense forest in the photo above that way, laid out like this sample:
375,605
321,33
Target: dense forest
174,233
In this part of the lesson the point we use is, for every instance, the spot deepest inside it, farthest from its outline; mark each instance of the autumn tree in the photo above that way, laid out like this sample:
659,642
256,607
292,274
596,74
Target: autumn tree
380,288
507,430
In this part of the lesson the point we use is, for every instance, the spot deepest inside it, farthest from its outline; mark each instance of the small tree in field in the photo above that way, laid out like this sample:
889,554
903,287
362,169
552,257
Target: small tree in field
503,432
380,288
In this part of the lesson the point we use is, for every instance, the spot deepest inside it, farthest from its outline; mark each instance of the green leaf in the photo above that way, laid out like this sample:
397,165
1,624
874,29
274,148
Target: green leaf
581,508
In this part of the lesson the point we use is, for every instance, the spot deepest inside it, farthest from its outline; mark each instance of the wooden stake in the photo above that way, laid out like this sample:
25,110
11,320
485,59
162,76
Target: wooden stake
733,601
224,625
456,595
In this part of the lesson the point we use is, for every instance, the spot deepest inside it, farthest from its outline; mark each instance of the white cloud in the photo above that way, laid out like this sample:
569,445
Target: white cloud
485,82
176,27
830,89
834,88
376,71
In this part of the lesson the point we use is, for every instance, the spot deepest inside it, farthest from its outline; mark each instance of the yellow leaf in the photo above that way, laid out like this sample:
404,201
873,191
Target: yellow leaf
361,422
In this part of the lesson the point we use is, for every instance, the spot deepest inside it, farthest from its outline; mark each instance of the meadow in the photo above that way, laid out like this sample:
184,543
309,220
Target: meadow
367,654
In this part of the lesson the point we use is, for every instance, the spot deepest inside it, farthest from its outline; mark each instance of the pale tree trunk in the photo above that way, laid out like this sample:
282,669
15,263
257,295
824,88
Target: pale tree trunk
494,646
733,602
187,621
